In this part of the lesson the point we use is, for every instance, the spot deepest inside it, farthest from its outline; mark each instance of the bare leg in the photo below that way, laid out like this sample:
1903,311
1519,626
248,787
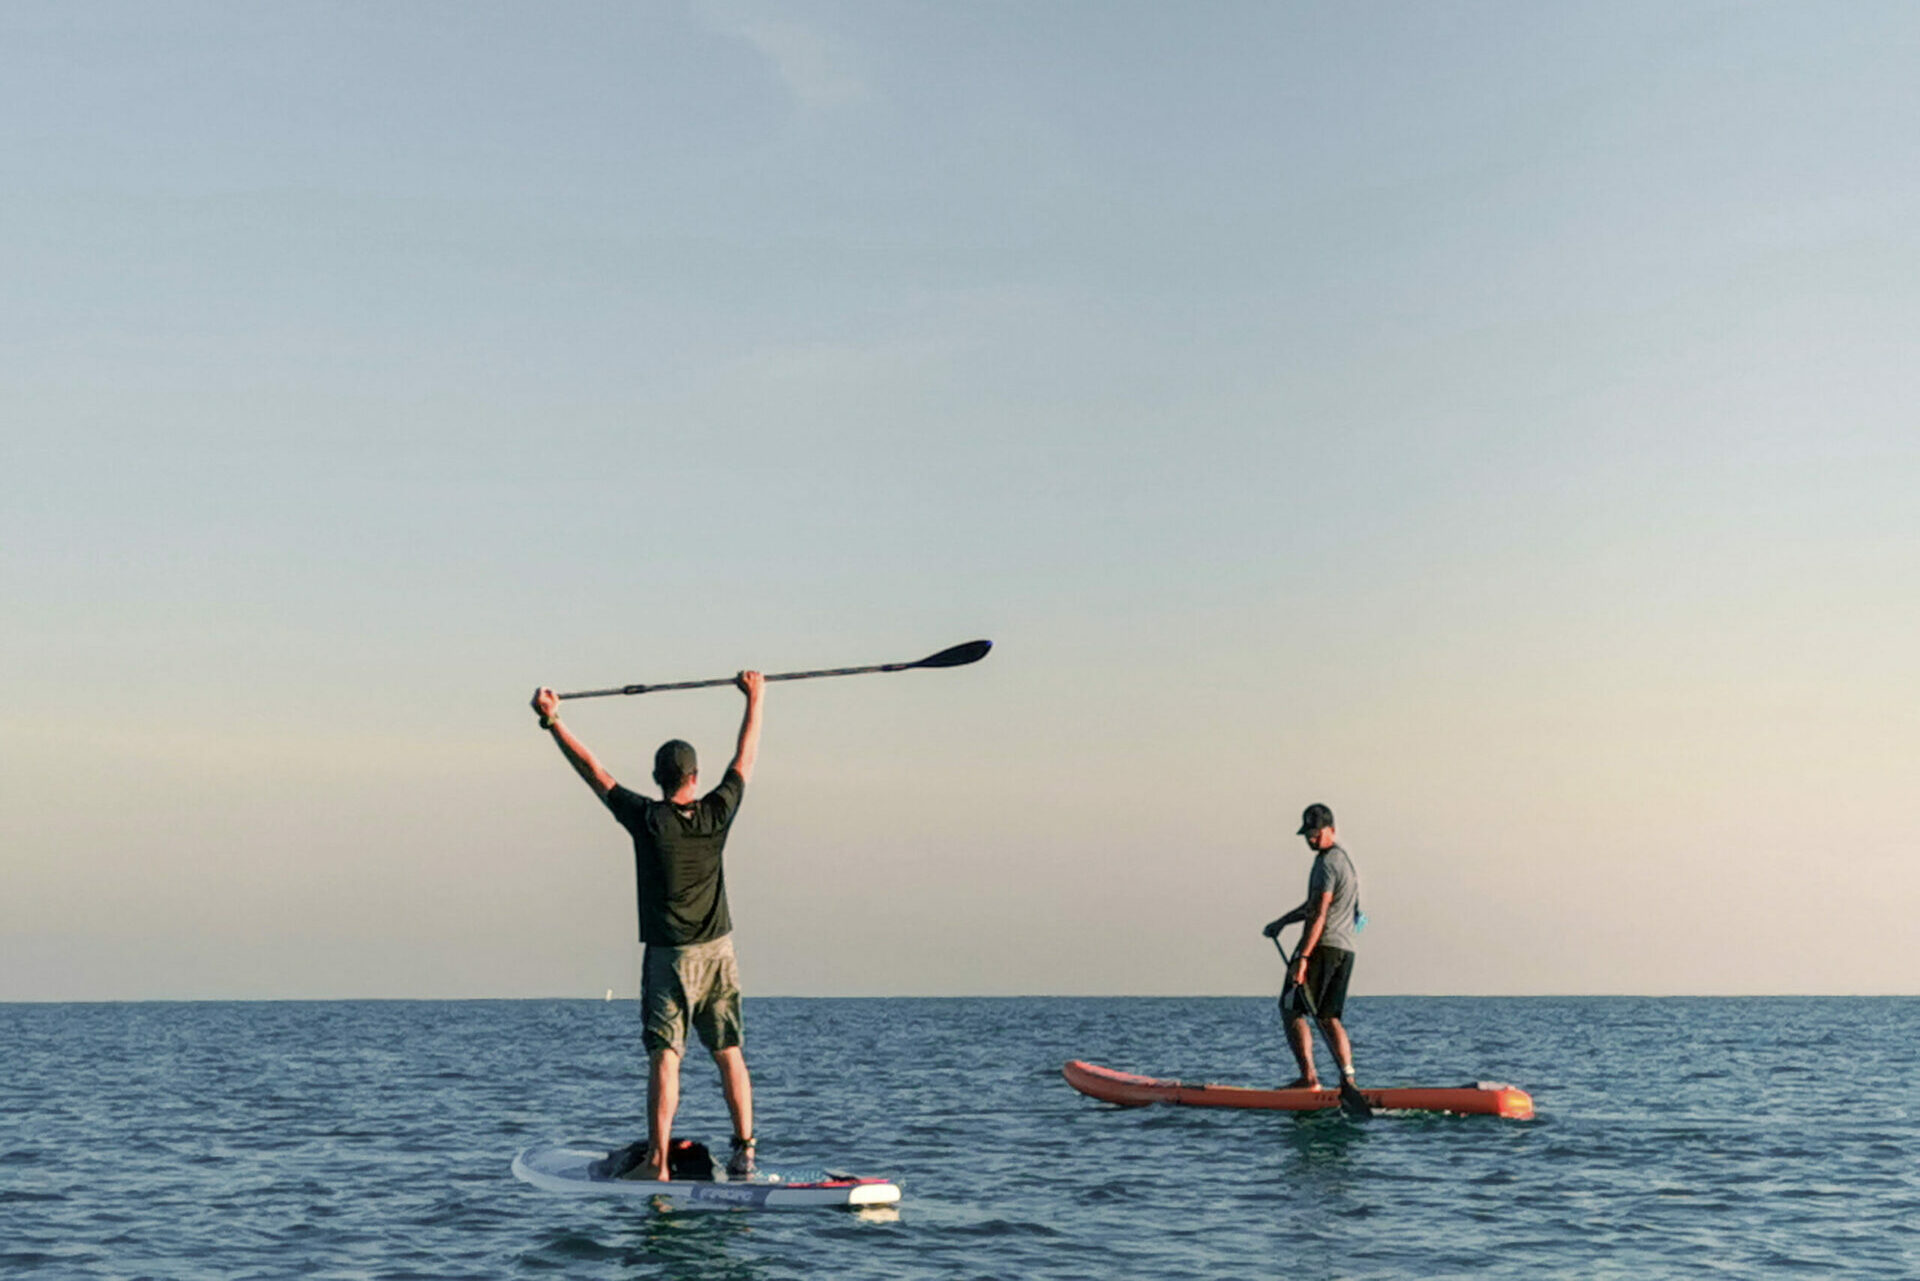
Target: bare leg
663,1100
1300,1041
1337,1042
738,1087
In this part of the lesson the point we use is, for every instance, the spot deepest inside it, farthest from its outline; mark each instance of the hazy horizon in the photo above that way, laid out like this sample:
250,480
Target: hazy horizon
1493,421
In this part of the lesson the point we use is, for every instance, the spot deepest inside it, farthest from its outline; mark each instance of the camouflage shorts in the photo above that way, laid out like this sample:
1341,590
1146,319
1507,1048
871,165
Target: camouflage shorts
697,984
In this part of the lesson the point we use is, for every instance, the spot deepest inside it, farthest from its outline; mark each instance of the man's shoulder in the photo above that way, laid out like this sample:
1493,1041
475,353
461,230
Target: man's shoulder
624,800
1333,862
727,795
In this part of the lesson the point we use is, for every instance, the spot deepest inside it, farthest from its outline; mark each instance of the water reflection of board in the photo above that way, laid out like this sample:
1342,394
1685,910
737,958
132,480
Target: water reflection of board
1128,1090
568,1169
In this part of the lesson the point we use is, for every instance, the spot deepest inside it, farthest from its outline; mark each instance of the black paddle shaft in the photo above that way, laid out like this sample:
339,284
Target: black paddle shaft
1306,993
1352,1102
958,656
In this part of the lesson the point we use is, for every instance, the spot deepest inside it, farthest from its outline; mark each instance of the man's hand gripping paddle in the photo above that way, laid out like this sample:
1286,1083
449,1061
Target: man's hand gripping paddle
1352,1102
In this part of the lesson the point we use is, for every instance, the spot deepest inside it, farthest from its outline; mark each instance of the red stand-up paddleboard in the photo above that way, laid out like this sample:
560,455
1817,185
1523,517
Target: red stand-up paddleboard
1128,1090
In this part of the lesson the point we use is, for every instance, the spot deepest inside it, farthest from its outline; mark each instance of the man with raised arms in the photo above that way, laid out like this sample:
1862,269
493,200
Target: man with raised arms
687,975
1323,963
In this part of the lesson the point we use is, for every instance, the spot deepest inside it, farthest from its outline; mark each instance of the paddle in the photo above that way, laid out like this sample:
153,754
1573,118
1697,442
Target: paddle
1352,1102
958,656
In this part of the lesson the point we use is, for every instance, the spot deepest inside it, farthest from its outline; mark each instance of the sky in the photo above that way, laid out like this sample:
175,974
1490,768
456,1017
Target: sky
1494,420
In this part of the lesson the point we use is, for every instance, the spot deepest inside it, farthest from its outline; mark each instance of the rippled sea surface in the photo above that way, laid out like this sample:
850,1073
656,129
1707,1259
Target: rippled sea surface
1679,1137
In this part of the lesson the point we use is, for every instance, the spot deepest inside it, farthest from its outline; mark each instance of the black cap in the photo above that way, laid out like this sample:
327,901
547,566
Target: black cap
674,763
1315,817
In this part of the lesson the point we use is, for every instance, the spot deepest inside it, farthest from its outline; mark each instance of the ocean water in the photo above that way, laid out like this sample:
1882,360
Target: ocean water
1675,1138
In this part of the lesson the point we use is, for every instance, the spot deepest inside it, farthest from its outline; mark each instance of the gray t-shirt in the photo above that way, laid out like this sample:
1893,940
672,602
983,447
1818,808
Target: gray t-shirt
1333,870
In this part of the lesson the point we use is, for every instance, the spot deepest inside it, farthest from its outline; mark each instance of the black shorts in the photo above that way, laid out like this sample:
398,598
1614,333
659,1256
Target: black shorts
1328,969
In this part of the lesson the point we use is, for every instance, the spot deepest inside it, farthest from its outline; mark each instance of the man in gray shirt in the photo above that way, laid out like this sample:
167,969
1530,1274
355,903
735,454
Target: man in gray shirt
1323,963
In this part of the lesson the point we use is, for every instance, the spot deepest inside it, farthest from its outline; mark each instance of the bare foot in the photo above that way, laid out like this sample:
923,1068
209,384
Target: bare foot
655,1168
1302,1083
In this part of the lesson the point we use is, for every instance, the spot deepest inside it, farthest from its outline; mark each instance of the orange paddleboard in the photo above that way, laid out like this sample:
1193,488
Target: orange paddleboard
1128,1090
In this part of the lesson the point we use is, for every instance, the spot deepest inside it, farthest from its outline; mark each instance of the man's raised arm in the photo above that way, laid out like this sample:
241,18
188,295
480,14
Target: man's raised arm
546,705
754,686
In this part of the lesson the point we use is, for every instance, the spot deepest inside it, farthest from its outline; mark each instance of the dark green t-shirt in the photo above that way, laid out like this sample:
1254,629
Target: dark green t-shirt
678,877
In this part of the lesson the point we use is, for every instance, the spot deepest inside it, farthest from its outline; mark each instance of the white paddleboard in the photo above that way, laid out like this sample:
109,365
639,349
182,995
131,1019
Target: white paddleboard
567,1168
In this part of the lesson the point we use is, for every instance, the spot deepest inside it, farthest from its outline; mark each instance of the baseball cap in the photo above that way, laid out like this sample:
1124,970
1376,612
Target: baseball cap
1315,817
674,762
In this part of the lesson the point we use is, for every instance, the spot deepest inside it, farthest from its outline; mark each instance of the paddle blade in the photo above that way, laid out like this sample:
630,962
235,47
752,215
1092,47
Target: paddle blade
958,656
1354,1103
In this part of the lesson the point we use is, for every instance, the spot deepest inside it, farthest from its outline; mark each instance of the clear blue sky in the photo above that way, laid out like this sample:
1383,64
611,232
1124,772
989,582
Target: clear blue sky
1495,420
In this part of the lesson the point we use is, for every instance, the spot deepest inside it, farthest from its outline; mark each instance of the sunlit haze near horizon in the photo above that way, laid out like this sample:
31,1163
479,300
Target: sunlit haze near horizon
1496,421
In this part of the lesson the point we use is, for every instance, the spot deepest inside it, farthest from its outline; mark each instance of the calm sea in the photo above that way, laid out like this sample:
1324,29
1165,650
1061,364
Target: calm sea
1675,1138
